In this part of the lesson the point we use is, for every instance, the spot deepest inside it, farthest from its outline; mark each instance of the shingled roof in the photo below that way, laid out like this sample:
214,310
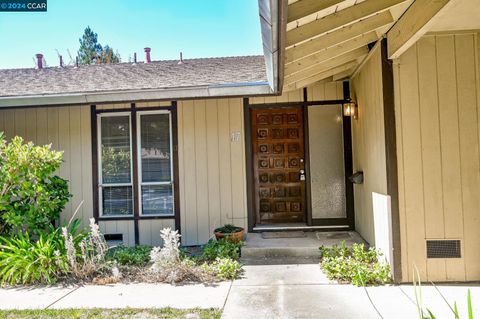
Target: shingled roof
128,76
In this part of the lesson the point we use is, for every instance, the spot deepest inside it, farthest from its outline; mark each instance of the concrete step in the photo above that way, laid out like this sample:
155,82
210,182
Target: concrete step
267,252
254,261
257,246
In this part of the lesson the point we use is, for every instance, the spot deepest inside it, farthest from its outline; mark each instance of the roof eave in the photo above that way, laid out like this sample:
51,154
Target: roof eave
273,20
196,92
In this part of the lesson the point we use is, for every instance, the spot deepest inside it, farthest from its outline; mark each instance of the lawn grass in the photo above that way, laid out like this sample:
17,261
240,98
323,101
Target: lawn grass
164,313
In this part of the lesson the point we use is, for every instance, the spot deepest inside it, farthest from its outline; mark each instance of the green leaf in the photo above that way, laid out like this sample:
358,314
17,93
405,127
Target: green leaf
470,308
430,314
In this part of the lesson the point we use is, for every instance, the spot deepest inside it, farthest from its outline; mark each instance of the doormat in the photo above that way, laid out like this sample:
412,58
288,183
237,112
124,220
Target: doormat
283,234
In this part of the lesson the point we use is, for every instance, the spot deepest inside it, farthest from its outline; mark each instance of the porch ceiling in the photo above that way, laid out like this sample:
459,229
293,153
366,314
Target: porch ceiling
327,40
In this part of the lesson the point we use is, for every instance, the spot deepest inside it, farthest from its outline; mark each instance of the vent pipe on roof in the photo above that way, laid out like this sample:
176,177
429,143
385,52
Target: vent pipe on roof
61,61
147,55
39,60
181,58
135,58
76,61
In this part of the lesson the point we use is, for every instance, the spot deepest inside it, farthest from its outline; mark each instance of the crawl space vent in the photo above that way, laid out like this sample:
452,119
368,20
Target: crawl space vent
443,249
113,239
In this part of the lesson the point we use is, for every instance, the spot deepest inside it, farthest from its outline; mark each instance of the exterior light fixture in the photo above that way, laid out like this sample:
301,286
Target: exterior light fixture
350,109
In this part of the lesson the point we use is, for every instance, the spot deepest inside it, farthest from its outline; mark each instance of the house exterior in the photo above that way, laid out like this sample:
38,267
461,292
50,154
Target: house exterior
266,143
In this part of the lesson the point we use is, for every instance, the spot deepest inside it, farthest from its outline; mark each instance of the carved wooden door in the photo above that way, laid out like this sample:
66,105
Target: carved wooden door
278,165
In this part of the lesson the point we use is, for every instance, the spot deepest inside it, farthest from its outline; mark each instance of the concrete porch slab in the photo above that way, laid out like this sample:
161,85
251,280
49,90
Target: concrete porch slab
257,246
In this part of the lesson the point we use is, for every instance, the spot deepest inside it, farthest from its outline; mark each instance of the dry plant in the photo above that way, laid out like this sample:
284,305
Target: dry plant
167,266
87,257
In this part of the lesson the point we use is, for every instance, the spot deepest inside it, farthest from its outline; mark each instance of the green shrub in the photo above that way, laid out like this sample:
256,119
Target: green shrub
130,256
357,265
27,261
31,197
23,261
225,268
221,249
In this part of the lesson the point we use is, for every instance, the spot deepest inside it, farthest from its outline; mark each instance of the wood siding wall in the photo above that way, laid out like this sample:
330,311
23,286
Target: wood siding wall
212,173
68,130
320,91
437,93
368,140
212,167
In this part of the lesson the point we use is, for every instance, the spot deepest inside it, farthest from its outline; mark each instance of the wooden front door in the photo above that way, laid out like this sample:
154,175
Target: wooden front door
278,165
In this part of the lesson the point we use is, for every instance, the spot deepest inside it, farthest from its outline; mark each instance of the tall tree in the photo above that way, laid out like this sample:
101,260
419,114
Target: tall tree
108,56
92,52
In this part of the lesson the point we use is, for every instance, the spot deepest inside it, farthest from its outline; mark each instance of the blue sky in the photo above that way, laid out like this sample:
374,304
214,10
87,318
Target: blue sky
198,28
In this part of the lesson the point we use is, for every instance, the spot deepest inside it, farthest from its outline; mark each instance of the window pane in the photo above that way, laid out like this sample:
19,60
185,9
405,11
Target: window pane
155,147
117,200
157,200
115,139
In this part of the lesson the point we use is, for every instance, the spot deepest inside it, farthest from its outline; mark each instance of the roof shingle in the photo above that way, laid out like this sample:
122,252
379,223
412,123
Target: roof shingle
129,76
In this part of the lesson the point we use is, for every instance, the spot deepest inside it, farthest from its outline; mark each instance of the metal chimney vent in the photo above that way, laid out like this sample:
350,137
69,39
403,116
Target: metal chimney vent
443,249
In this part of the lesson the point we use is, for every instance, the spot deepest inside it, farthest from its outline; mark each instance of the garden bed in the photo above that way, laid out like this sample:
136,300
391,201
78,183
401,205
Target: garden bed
35,250
213,262
357,265
90,260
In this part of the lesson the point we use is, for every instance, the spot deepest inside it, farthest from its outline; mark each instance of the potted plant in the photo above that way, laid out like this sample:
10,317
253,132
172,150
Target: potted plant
229,232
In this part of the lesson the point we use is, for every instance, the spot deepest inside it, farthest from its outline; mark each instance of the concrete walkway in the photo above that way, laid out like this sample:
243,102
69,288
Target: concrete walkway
116,296
303,291
265,291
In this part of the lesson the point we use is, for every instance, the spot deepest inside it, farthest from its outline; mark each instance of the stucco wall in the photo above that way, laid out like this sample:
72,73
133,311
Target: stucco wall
368,141
438,125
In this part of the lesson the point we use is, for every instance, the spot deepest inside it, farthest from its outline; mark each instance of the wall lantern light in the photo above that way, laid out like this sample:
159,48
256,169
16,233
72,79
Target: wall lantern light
350,109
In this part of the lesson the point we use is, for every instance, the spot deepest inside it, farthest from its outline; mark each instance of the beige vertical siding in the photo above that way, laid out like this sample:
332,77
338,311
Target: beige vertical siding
149,230
124,227
212,173
437,108
368,141
325,91
68,130
212,167
316,92
291,96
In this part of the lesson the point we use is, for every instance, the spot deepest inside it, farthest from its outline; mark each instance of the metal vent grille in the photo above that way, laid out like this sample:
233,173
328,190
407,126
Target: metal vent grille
443,249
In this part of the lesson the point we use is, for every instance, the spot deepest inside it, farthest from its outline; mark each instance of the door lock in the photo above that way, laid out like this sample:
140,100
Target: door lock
302,175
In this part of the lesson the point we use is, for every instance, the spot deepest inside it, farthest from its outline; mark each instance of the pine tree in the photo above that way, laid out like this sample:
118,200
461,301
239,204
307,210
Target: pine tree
92,52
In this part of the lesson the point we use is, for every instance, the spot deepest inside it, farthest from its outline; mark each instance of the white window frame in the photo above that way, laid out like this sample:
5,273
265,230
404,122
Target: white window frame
100,166
139,163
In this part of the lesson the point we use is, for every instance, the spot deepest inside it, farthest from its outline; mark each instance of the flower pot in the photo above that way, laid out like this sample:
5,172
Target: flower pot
236,236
